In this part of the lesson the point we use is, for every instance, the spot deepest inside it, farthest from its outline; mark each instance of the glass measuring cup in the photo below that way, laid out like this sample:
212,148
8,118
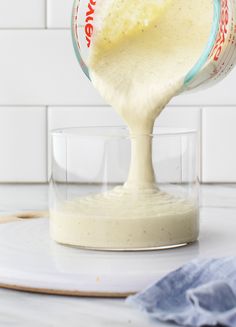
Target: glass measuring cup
216,61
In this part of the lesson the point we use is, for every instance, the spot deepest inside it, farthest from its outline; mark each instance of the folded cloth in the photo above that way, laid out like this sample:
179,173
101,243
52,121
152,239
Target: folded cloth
203,292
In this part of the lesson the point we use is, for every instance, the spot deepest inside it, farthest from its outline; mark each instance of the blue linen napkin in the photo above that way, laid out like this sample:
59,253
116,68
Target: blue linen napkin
203,292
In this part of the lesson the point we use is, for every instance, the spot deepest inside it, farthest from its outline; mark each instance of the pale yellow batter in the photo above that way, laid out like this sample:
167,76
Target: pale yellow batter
140,55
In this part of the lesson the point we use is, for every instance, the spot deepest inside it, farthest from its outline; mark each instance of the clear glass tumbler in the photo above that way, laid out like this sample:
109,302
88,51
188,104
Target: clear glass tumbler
92,206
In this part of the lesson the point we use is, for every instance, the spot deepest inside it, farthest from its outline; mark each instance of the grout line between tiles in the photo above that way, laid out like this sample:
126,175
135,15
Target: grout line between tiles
105,105
15,29
58,28
217,207
46,14
201,145
47,146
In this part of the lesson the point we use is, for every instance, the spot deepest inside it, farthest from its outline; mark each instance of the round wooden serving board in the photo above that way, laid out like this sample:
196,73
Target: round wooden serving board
30,261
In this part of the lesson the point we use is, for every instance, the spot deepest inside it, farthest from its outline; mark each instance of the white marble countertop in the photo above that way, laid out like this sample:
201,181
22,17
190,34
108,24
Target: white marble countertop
27,310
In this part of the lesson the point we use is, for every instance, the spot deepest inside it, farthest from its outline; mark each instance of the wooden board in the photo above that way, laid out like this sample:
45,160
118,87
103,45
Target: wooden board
65,292
30,261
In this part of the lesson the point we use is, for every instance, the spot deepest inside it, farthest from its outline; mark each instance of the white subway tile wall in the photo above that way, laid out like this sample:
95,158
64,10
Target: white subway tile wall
59,13
38,67
43,88
219,144
23,136
22,14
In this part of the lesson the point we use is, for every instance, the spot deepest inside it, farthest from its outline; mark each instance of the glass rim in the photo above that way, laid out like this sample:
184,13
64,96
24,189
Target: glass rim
116,131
